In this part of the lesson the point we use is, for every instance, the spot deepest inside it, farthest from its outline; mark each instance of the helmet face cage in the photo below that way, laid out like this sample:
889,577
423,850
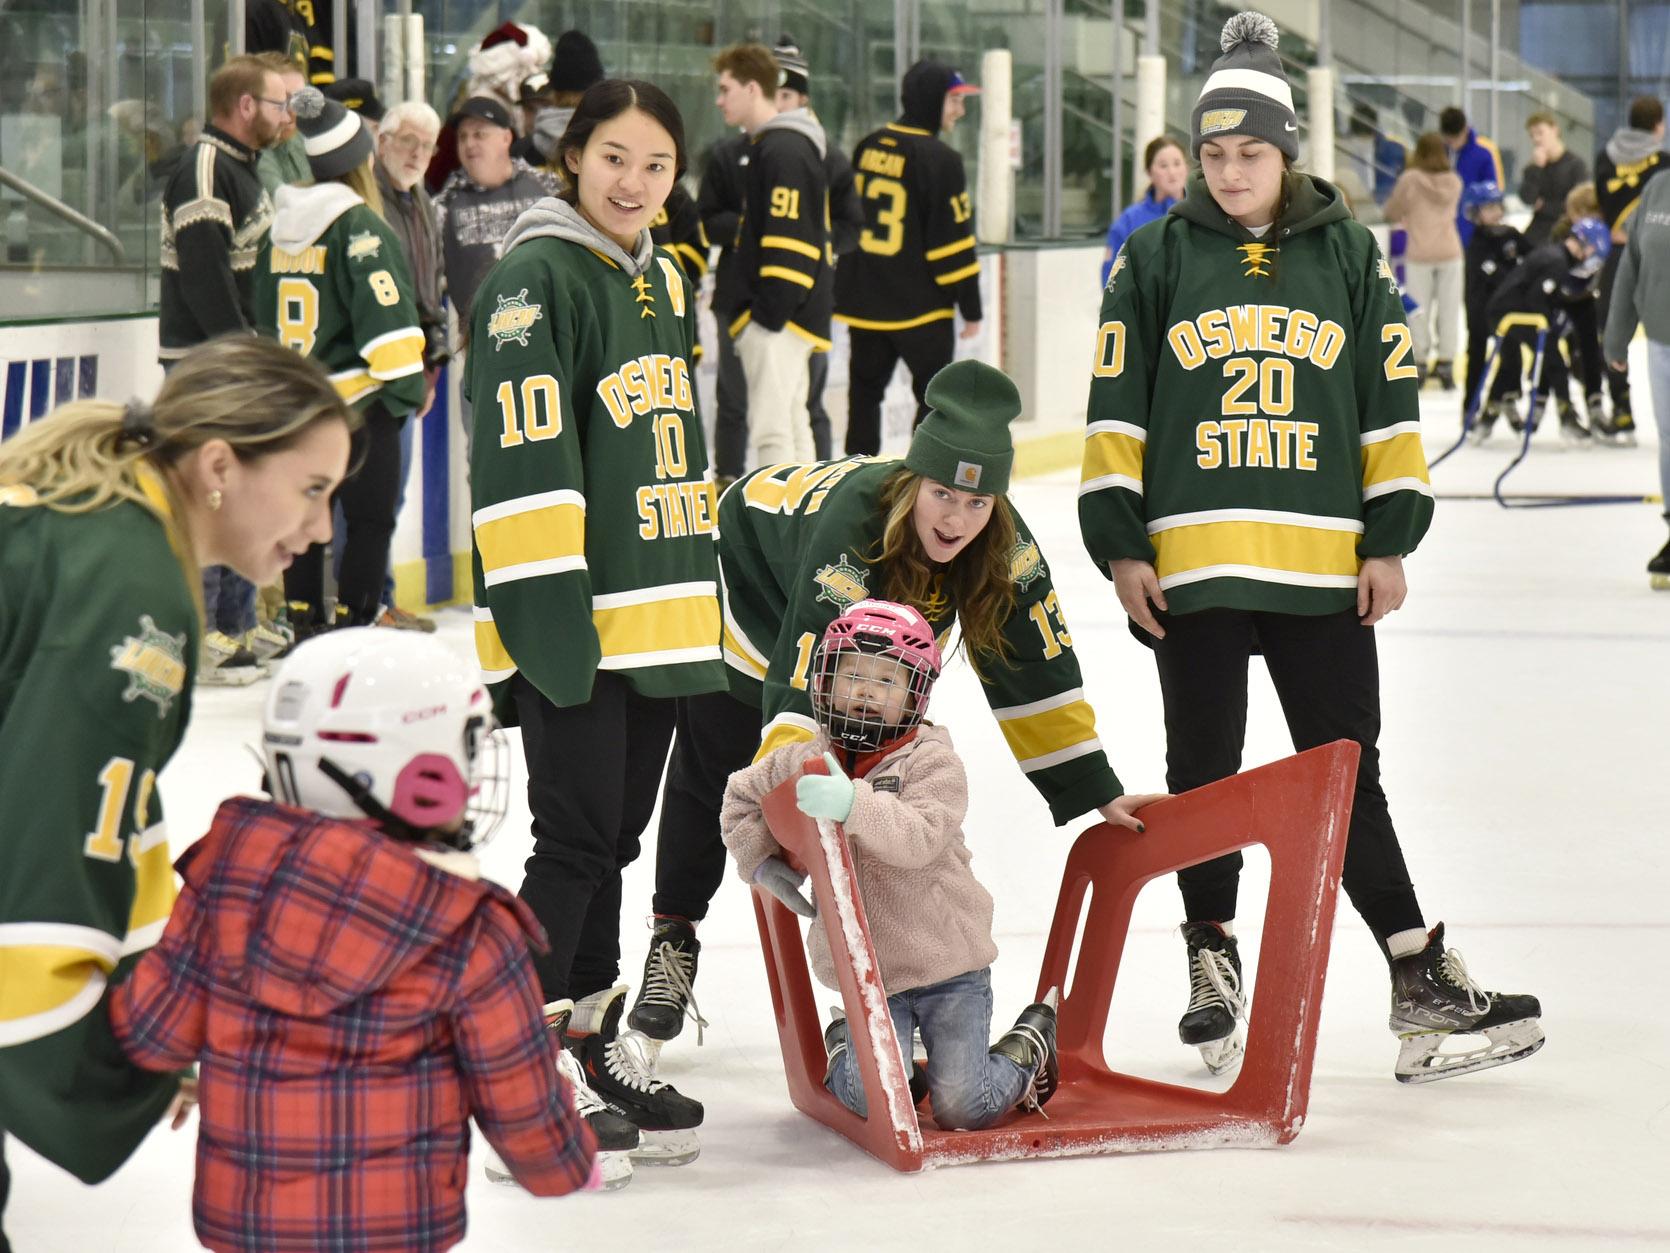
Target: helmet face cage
489,755
872,675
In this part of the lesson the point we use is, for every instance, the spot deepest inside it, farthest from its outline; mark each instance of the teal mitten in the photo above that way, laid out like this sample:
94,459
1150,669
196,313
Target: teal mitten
825,796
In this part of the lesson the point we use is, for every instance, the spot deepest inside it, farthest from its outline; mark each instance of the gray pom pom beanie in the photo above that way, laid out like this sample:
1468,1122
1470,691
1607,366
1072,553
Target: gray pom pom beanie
1247,92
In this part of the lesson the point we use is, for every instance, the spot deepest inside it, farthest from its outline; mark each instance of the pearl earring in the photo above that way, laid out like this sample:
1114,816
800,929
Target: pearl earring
214,498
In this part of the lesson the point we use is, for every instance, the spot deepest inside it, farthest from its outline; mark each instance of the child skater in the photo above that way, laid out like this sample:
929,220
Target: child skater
353,989
898,787
1492,253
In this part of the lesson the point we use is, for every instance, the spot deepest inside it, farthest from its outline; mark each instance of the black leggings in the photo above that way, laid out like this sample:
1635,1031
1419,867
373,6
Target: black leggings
1327,676
717,736
368,498
593,774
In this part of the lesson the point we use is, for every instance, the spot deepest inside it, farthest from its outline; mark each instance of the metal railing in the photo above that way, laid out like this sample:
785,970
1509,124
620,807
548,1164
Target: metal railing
59,209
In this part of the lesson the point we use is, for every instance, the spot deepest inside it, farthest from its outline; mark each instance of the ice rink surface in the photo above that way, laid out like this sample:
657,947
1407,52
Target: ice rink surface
1526,694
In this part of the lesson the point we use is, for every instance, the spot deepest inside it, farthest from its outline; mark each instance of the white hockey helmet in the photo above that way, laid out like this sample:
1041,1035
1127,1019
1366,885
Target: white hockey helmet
391,725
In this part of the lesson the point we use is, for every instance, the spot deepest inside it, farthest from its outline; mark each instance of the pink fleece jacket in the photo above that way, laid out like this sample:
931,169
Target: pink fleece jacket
1424,203
930,919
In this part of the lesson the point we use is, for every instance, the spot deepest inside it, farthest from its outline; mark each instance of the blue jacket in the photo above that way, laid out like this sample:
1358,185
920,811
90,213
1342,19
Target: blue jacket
1144,211
1476,161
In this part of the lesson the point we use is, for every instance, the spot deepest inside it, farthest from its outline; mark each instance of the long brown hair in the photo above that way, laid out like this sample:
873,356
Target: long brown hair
978,580
1430,154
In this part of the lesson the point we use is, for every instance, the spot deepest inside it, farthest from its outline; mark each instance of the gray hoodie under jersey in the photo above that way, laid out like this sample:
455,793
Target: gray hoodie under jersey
551,218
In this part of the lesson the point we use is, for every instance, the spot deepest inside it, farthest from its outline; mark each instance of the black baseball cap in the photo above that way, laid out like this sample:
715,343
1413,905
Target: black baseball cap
484,107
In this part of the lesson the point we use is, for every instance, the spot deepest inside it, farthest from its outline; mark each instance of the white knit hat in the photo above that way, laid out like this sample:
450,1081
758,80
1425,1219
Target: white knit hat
1247,92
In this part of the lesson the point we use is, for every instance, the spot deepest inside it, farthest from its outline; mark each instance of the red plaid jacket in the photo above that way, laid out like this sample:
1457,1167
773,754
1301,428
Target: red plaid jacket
352,1006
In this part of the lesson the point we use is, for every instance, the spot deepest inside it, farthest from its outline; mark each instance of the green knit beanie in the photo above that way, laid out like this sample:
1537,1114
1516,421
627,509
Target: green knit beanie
964,441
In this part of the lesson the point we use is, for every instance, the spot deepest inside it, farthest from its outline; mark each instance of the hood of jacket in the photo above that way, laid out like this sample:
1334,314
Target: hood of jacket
548,125
1311,203
551,218
302,214
801,121
1438,186
310,913
1628,145
922,95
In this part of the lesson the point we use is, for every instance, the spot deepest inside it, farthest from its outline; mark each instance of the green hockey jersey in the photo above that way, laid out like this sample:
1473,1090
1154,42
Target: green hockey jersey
1254,426
798,546
98,644
333,284
592,504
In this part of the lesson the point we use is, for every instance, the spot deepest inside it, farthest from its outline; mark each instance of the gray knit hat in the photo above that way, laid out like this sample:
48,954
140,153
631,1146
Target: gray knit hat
1247,92
964,441
336,139
797,73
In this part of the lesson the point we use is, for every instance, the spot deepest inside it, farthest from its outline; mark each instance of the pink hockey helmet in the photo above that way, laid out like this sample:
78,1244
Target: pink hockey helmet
862,709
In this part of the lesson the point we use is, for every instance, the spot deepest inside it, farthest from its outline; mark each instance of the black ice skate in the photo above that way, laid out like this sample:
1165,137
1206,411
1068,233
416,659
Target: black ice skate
1030,1044
622,1072
1599,423
1445,376
1433,998
617,1138
1572,429
668,993
1658,570
1624,421
1216,1004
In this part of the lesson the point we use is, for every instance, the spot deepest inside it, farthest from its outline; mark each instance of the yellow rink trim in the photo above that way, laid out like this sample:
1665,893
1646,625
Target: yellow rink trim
491,654
1401,457
1266,545
658,626
1112,452
547,534
397,357
1040,734
39,978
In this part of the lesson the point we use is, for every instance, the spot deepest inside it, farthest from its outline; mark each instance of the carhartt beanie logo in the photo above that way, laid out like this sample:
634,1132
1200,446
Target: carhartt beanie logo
964,441
1247,92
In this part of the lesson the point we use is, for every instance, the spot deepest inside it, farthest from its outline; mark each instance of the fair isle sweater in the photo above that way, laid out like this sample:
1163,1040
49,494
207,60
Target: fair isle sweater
930,920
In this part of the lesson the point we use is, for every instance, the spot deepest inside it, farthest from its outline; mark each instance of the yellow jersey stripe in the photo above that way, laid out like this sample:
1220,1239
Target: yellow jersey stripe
788,275
547,539
741,320
950,250
1114,453
866,324
1186,553
957,276
491,654
353,385
789,244
52,974
658,632
395,356
1049,731
818,342
786,729
1400,457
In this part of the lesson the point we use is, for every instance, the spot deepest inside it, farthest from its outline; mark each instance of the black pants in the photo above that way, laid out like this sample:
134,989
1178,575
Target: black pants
817,375
730,423
5,1191
717,736
926,351
1478,351
593,774
1617,381
1510,371
1327,676
368,498
1583,346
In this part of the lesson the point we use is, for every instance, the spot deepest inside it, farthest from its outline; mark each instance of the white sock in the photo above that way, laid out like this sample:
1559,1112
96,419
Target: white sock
1406,943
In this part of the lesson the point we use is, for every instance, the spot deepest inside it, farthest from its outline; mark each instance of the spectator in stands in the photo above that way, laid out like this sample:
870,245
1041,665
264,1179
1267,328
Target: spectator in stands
509,61
1549,176
1632,158
359,95
215,216
1168,171
405,142
846,223
1424,202
481,199
285,159
575,66
780,312
1476,160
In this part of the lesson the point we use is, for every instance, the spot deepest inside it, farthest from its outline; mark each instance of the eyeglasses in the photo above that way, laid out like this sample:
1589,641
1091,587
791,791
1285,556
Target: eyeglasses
412,144
282,104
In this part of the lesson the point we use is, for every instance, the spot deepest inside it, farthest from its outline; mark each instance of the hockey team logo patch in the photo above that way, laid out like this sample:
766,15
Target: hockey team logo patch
1114,269
1216,121
841,583
362,244
967,476
1384,270
512,320
155,663
1026,565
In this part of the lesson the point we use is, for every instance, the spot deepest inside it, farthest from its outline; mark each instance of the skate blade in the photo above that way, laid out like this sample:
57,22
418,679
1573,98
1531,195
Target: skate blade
666,1148
616,1171
1224,1055
1419,1060
1660,582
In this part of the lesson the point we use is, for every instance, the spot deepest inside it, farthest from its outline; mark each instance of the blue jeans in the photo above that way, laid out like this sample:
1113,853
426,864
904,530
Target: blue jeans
228,600
1658,380
971,1087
